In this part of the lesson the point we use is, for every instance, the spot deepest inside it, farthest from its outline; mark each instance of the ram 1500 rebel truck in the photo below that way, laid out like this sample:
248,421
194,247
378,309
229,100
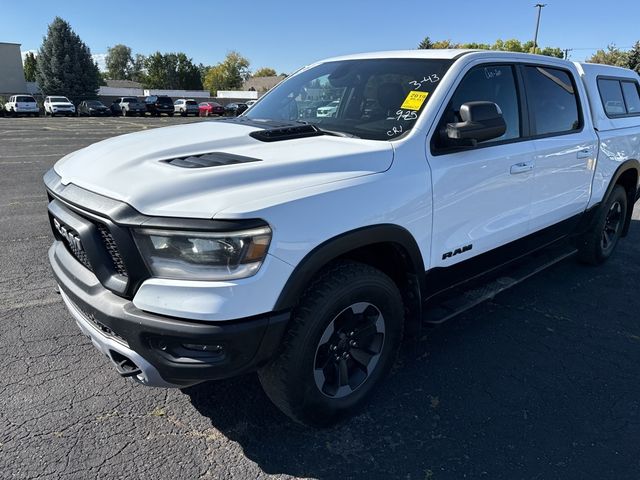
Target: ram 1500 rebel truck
306,247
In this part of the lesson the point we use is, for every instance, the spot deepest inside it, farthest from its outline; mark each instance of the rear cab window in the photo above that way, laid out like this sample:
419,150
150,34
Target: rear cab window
620,96
552,99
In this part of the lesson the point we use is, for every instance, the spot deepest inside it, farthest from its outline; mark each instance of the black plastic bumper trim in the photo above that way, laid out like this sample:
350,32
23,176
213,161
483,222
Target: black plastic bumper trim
247,343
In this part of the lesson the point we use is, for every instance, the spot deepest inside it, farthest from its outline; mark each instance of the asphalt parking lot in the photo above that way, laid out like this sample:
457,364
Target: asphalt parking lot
540,383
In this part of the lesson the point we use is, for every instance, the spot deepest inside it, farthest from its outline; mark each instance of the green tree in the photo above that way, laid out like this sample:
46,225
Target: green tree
265,72
425,44
227,75
189,77
119,62
510,45
138,69
172,71
30,67
633,57
215,79
611,56
65,66
552,52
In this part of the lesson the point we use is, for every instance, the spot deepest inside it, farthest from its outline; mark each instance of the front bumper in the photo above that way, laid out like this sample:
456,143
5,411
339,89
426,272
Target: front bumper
150,347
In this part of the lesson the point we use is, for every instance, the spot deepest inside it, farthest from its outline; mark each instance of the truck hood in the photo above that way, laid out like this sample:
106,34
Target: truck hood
134,168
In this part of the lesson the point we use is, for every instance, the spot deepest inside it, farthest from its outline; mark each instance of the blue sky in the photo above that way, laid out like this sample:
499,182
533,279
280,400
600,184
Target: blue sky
286,34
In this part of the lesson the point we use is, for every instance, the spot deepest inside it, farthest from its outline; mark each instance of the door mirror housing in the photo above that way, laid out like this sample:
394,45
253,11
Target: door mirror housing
480,121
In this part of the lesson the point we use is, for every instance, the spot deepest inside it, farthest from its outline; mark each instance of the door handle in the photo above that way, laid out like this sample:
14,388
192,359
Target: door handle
584,153
522,167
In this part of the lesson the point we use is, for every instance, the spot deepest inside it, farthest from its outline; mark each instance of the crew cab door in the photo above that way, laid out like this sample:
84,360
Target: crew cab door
482,193
565,145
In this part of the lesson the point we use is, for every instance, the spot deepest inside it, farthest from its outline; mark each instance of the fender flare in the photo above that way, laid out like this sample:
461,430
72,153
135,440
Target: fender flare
344,243
631,164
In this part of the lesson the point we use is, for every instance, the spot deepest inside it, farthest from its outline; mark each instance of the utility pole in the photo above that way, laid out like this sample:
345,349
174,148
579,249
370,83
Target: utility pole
566,53
539,6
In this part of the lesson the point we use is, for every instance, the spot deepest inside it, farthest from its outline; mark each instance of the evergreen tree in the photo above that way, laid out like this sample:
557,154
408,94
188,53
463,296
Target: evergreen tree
30,67
65,66
633,57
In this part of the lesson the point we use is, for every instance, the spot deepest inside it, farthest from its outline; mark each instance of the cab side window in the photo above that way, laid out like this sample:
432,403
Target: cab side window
552,100
491,83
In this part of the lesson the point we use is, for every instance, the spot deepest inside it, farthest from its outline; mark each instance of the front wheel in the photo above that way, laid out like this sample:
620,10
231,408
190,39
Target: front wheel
600,241
343,339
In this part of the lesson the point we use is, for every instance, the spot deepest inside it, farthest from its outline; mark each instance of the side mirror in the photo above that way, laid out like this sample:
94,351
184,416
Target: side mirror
480,121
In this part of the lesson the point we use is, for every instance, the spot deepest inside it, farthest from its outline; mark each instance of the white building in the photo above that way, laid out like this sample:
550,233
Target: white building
11,72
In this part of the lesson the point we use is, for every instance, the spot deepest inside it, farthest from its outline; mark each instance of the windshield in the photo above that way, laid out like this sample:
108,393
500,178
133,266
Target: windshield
25,99
95,103
191,102
165,100
376,99
59,100
130,100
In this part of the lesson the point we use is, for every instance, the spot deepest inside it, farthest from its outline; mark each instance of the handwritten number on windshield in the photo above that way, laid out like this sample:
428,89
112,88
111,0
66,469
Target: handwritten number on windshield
433,78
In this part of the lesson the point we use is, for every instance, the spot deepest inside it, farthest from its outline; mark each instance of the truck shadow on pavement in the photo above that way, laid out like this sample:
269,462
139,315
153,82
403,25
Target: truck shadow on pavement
540,382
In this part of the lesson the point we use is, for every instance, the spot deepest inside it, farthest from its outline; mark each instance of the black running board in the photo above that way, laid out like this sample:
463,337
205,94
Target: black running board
461,298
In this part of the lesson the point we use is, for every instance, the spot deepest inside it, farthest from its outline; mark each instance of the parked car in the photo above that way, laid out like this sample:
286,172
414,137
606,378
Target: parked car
329,110
159,104
235,109
57,105
93,108
22,105
210,108
127,106
307,248
186,107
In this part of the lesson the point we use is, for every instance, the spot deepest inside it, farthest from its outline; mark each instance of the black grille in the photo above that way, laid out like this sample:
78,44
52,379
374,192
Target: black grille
79,253
112,248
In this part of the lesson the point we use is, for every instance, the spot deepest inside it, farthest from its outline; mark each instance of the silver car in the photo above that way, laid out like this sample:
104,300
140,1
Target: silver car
186,106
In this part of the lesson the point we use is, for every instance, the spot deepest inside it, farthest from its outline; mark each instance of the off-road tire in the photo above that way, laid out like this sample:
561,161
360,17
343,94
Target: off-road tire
289,379
592,248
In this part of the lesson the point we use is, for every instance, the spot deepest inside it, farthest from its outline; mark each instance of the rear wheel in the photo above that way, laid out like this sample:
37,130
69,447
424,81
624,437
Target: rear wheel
343,339
600,241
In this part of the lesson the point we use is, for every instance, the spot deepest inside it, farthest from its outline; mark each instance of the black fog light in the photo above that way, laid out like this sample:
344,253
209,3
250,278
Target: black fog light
181,351
199,347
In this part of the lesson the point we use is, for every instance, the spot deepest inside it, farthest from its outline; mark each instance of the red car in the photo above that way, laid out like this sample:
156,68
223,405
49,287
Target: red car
210,108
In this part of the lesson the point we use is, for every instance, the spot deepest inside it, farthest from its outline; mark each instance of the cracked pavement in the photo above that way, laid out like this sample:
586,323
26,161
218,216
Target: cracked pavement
540,383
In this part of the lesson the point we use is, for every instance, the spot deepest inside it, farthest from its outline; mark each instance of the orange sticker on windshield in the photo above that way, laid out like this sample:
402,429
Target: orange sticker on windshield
414,100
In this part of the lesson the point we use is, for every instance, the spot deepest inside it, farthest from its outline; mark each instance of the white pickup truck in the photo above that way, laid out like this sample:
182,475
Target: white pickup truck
306,247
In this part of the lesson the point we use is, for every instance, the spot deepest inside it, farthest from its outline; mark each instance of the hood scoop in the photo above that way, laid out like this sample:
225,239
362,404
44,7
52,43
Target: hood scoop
286,133
213,159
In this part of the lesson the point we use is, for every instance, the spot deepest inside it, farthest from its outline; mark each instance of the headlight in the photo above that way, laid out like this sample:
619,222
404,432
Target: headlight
203,255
